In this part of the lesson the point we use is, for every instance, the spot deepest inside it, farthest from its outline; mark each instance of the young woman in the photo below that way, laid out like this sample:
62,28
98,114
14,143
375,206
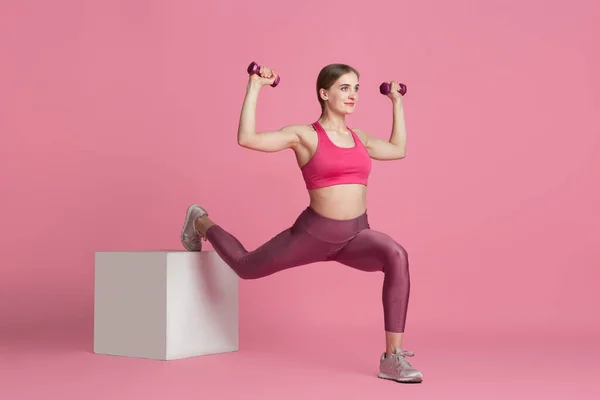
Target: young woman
335,162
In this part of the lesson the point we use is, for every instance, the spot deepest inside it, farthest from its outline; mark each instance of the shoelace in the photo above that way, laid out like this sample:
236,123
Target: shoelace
399,357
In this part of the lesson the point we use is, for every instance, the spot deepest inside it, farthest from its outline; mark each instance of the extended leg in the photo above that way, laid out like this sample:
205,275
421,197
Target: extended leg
290,248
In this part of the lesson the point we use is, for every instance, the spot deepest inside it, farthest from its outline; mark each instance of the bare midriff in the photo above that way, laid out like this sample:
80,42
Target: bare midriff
341,202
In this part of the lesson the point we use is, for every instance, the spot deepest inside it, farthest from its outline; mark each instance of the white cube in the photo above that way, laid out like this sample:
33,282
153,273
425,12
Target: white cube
164,304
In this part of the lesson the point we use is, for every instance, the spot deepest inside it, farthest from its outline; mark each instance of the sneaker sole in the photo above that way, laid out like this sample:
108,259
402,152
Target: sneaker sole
401,380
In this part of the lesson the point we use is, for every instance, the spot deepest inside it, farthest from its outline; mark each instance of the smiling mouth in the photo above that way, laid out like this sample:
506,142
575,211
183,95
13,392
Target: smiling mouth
350,104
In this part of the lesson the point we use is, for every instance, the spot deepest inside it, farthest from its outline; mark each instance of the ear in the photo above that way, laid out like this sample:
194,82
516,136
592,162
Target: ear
323,94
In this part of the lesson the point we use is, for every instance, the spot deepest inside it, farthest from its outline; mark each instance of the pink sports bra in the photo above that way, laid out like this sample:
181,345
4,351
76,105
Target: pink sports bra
334,165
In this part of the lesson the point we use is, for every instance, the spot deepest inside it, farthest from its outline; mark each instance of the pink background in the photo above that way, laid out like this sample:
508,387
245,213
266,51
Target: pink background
118,114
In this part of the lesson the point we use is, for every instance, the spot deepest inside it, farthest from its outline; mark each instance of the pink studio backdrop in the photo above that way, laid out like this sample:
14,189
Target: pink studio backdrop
117,115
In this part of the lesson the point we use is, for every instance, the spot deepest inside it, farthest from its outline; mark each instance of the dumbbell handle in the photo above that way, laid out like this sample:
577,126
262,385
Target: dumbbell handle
385,88
254,68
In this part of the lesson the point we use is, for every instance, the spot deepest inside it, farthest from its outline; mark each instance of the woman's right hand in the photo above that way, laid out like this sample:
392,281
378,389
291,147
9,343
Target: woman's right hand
266,76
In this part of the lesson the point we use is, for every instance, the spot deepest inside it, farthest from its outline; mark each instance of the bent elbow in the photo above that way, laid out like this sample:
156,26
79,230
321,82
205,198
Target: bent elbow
244,142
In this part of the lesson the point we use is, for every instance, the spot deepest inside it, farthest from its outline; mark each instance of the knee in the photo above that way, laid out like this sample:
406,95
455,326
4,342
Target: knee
245,272
401,253
241,269
246,275
397,260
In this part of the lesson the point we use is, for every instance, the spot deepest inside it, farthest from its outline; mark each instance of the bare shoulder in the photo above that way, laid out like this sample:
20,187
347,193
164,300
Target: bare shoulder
302,128
297,129
362,135
303,131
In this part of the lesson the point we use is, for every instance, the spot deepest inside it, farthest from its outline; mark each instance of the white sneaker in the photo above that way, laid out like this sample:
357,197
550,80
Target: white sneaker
190,237
397,368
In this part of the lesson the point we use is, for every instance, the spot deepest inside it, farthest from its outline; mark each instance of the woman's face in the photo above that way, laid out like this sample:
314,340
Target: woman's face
342,96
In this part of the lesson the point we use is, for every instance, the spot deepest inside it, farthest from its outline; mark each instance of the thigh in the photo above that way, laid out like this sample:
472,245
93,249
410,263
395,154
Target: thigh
290,248
369,250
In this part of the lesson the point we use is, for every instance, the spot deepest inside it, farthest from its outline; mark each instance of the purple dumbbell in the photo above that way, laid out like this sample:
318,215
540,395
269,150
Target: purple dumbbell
254,68
385,88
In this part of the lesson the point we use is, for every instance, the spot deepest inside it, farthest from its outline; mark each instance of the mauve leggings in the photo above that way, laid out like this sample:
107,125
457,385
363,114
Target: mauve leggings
314,238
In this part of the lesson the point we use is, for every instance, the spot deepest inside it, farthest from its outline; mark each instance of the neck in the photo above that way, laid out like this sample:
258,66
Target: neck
333,121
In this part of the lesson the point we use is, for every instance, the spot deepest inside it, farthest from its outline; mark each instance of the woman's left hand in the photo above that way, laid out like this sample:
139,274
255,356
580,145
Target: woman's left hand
394,93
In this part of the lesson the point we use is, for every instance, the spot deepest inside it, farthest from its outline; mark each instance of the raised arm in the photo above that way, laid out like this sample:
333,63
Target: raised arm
395,148
284,138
